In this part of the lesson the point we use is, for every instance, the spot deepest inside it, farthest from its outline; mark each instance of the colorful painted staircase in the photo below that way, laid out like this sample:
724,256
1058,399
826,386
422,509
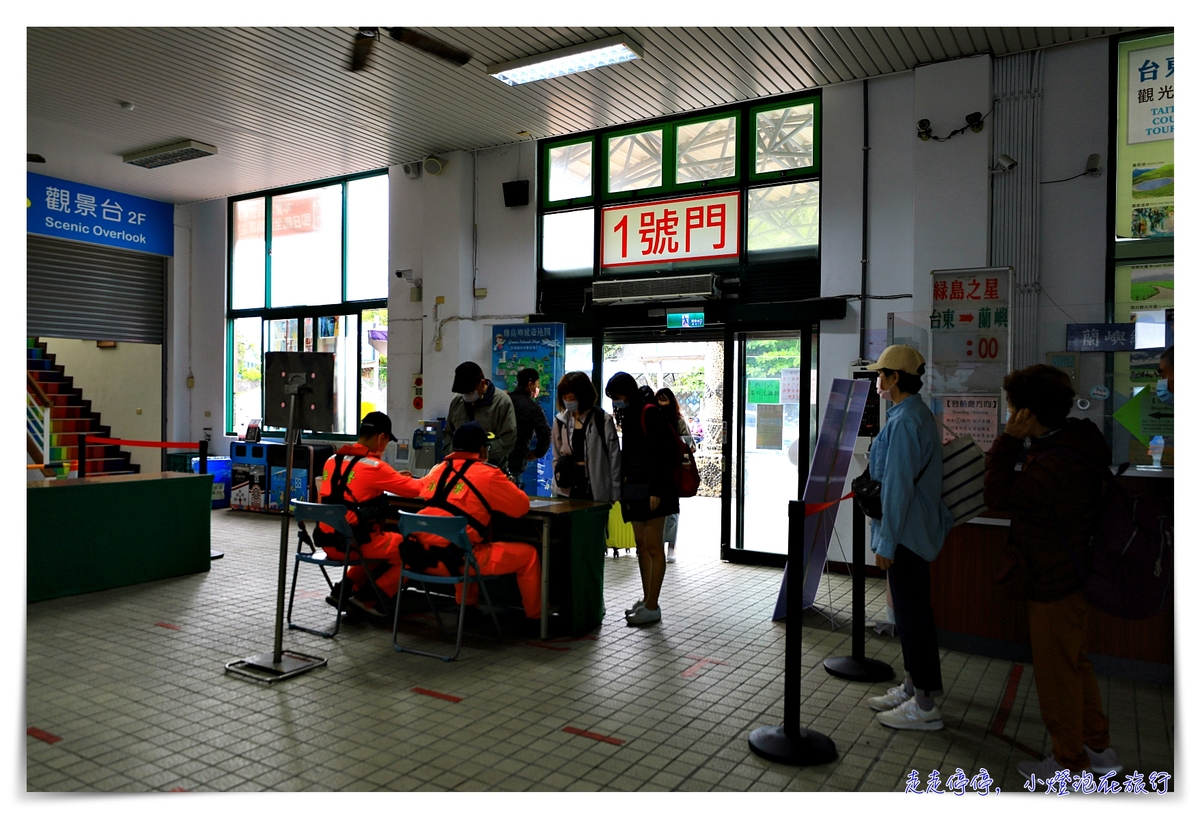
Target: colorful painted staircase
70,415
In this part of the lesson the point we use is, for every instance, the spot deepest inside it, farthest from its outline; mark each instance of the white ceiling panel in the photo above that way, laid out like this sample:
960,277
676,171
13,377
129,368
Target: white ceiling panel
283,107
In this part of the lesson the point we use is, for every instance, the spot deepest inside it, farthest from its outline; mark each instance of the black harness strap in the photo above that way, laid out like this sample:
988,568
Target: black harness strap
367,512
420,558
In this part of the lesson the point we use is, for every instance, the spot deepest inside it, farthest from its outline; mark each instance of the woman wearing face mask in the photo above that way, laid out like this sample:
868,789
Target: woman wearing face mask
666,399
649,455
906,459
587,453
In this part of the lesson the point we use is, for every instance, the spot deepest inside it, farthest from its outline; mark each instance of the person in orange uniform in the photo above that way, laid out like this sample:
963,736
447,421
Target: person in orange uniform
466,485
358,477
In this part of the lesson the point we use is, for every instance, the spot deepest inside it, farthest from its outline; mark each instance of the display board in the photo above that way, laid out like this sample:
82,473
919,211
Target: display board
970,347
1145,172
532,346
1143,294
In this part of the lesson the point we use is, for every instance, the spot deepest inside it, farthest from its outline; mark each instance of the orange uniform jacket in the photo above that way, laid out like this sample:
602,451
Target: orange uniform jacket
501,494
370,478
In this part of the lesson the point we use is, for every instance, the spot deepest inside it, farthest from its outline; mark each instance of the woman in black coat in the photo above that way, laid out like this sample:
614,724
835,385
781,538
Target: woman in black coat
649,455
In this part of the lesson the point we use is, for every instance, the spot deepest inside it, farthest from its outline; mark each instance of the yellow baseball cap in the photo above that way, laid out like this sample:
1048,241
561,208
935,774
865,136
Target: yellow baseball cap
899,358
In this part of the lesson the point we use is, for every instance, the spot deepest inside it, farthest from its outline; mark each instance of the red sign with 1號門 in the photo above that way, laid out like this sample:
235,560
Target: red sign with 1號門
691,229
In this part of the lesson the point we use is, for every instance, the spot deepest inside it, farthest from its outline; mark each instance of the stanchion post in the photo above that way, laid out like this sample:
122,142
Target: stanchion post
857,667
790,743
81,445
204,457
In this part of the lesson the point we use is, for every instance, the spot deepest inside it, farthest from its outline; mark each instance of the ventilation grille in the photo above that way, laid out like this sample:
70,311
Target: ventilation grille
169,154
674,288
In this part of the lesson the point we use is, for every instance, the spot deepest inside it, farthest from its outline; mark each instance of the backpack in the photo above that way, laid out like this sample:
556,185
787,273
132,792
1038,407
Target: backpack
1131,551
684,474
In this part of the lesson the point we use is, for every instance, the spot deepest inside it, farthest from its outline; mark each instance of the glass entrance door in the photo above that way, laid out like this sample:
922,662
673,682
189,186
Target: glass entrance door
774,426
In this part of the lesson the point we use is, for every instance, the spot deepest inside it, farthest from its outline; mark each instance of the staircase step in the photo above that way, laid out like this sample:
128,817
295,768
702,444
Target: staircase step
64,412
76,425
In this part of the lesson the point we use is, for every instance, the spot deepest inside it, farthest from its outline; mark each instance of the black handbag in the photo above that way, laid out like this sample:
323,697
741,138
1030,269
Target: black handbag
868,492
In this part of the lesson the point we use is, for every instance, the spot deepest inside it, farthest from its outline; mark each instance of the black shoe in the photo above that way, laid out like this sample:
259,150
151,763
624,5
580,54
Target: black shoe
369,609
334,593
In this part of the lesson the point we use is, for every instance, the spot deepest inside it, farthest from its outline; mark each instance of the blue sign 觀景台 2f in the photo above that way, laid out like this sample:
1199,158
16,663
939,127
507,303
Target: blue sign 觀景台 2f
71,210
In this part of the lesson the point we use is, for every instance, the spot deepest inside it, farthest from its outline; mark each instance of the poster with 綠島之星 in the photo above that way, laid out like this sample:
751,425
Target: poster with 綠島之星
1145,172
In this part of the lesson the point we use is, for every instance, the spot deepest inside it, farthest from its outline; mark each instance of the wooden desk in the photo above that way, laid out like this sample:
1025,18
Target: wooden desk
578,526
107,532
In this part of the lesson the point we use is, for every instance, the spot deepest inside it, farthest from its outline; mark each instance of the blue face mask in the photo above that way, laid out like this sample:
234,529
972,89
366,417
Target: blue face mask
618,404
571,405
1163,393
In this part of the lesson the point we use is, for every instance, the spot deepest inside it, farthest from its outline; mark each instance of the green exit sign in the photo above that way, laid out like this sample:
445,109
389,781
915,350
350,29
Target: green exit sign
685,320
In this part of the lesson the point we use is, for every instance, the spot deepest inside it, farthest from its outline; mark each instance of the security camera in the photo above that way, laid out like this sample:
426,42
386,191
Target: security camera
1093,165
409,276
1005,162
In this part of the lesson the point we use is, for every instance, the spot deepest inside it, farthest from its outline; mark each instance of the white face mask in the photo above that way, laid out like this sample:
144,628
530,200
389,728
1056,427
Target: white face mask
884,394
471,397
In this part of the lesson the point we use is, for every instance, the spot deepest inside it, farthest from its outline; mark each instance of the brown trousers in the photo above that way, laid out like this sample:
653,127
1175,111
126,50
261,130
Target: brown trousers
1068,694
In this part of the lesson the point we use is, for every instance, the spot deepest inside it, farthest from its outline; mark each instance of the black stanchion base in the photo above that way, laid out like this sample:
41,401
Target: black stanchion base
859,670
806,750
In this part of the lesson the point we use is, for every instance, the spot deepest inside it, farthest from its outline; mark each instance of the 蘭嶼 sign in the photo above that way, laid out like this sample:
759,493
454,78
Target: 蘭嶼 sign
71,210
1101,338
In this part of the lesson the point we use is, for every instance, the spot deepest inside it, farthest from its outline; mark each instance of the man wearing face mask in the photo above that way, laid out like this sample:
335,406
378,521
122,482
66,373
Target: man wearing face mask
479,400
1165,389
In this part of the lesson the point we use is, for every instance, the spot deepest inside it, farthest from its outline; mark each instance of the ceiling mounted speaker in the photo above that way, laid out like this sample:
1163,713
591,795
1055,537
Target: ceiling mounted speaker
516,194
412,170
433,165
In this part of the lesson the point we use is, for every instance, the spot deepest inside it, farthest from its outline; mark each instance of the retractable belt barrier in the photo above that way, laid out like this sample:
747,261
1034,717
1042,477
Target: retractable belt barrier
83,440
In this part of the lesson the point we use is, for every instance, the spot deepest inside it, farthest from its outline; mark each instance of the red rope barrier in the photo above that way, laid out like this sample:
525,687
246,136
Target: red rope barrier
819,507
151,444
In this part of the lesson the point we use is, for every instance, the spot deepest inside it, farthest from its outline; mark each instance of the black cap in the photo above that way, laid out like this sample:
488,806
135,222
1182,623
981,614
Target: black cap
526,377
466,377
375,423
471,437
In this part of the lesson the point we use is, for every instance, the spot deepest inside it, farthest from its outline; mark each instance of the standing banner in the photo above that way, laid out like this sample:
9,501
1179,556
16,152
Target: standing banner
70,210
826,482
532,346
1146,137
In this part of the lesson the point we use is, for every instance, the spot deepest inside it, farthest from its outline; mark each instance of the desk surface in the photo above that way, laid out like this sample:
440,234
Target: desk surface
538,506
114,478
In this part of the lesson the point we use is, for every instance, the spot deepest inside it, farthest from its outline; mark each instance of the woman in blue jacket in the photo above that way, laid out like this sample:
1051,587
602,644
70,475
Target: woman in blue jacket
906,458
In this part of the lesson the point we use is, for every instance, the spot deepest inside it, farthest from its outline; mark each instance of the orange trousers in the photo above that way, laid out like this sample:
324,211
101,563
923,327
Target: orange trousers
385,545
498,558
1068,694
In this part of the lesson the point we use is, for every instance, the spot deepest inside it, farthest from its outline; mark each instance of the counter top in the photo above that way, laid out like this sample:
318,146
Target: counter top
114,478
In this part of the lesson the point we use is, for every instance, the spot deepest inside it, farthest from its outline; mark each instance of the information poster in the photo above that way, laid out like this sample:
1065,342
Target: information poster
1146,137
1143,294
531,346
769,426
762,390
973,415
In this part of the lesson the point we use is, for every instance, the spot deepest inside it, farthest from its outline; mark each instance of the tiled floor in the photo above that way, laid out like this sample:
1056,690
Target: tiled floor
126,691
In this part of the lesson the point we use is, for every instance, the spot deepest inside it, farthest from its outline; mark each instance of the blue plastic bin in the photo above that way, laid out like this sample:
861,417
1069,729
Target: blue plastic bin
221,470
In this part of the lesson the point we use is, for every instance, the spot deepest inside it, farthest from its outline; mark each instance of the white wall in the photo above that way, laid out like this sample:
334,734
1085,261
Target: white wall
124,385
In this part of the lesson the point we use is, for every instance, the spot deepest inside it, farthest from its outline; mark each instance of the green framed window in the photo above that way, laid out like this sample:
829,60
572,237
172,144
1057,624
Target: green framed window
707,152
567,171
785,139
308,272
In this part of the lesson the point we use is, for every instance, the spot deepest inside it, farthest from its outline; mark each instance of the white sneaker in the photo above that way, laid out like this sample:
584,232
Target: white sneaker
639,604
1043,770
895,697
909,716
670,553
1106,762
644,616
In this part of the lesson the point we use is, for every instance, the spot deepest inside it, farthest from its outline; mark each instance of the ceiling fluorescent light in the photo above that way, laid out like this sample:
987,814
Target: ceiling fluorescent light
169,154
571,60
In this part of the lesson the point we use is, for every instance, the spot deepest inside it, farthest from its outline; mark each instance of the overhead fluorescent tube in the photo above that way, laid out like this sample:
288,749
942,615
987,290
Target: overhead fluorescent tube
169,154
571,60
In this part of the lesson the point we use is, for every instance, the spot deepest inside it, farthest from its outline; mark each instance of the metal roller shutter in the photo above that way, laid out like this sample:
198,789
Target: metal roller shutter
86,291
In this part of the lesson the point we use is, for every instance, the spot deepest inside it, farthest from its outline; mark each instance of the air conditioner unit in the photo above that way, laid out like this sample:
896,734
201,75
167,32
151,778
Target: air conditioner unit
673,288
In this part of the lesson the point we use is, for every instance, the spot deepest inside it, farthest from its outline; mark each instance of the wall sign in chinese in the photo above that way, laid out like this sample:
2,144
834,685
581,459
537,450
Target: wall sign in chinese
685,320
762,390
969,330
691,229
1100,337
1145,172
70,210
974,415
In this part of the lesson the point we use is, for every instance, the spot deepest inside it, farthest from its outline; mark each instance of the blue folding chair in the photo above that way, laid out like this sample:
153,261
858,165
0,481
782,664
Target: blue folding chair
334,516
453,529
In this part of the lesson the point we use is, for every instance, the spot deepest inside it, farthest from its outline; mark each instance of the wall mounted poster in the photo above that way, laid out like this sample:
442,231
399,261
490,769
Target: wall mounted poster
531,346
1146,137
1142,294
